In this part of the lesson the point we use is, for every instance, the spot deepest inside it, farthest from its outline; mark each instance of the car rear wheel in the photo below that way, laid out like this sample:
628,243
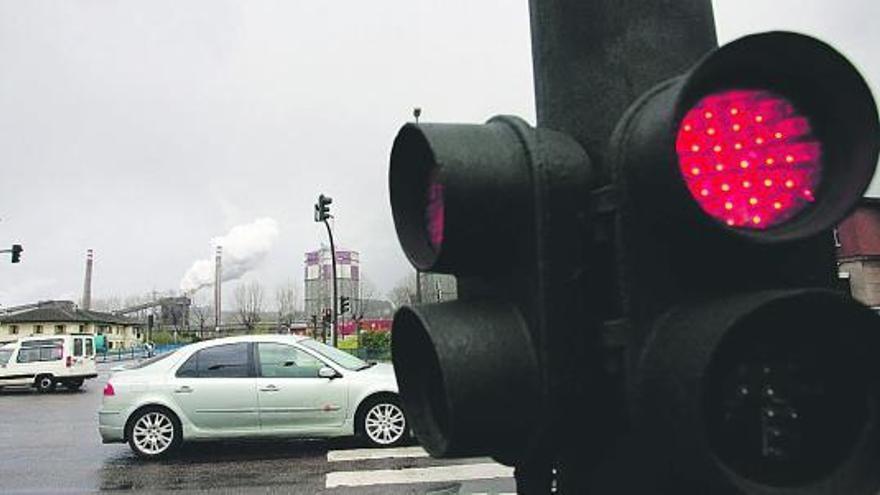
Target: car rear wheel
382,422
44,383
154,432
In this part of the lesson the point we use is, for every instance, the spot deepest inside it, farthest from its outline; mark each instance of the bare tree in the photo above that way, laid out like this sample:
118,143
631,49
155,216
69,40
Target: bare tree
201,316
249,304
404,292
286,299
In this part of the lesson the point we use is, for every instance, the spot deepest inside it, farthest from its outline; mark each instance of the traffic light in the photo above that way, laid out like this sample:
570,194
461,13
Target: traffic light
724,361
327,315
322,208
499,206
745,372
16,253
344,304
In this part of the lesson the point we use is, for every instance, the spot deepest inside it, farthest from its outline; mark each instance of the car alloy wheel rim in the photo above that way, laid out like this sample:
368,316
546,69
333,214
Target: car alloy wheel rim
46,383
385,423
153,433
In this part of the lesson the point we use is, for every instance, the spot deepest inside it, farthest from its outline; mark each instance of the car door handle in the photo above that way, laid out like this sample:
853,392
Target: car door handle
269,388
183,390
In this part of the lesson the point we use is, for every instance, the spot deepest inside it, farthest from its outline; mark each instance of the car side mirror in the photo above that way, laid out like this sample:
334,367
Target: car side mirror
328,372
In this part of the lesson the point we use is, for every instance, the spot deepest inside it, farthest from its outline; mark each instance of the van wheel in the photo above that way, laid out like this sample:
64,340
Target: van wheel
73,384
44,383
154,432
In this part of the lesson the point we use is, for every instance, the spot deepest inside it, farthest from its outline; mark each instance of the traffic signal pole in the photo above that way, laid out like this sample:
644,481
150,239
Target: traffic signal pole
335,329
592,59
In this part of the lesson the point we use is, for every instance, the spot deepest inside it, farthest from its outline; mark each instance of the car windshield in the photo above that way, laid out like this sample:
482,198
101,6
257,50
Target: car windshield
341,358
5,354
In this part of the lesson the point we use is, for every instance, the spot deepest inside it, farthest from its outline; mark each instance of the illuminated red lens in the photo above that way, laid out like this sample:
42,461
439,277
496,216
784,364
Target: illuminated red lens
109,391
749,158
434,214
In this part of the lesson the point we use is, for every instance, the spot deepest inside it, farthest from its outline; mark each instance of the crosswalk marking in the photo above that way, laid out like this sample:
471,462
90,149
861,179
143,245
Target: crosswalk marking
368,454
461,472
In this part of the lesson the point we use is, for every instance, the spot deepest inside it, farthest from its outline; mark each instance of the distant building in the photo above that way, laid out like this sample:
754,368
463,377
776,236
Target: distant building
858,252
319,279
63,317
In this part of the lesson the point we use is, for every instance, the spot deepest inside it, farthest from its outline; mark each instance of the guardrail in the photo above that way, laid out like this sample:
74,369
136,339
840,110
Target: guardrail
139,352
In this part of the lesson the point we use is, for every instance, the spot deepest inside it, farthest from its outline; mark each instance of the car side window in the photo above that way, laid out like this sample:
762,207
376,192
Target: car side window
190,368
285,361
221,361
77,347
90,347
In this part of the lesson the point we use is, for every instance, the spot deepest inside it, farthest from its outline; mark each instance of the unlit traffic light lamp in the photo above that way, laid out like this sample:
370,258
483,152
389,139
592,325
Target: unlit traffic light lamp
16,253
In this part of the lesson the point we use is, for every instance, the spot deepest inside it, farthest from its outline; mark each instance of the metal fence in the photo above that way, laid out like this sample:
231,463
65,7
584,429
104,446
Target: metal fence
137,352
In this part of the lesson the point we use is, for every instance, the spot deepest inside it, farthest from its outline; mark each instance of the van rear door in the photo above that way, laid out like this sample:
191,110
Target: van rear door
83,352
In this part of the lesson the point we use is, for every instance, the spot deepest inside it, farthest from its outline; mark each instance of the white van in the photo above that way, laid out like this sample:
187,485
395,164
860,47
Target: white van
44,362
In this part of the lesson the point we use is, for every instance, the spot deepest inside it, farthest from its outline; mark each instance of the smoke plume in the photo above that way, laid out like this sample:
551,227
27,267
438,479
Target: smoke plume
244,247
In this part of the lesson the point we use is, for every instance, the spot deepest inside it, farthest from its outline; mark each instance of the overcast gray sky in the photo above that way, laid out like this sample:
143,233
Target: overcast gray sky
143,129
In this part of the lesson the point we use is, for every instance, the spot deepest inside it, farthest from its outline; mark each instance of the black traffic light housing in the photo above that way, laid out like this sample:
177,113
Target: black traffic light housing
322,208
740,359
724,362
344,304
16,253
499,205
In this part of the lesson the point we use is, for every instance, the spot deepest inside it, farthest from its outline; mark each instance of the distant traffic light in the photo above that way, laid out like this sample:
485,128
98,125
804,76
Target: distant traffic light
344,304
16,253
322,208
747,373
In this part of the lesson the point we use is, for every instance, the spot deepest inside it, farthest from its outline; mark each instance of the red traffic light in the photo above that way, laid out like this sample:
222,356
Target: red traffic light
749,158
772,137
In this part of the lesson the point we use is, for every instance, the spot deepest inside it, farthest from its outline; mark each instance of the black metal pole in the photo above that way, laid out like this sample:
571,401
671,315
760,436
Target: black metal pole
334,317
592,60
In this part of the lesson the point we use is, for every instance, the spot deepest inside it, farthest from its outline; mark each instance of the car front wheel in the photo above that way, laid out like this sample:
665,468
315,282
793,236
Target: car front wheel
154,432
383,423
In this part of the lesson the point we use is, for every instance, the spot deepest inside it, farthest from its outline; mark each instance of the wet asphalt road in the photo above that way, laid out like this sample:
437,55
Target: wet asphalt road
49,444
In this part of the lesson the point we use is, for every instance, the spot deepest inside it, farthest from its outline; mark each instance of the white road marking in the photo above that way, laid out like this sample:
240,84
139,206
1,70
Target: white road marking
461,472
368,454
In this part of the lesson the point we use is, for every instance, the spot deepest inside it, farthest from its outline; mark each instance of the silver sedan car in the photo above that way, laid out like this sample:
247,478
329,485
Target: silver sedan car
251,386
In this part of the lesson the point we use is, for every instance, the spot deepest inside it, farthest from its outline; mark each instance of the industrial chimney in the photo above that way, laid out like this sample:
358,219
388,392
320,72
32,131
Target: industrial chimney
87,285
218,272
